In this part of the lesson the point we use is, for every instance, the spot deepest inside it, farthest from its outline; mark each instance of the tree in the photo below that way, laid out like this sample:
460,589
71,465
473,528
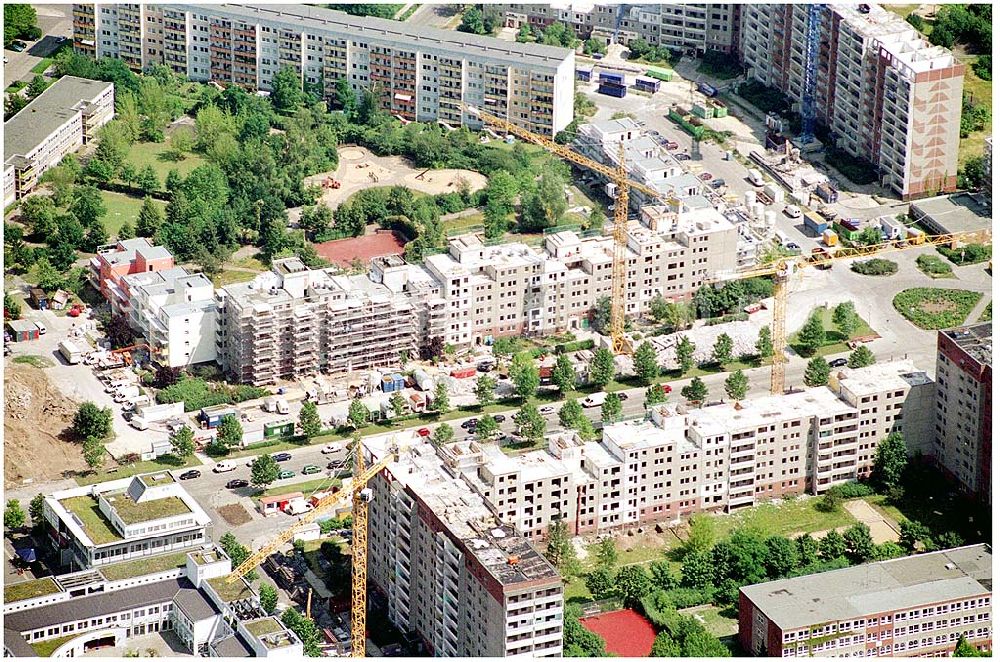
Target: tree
544,205
309,420
230,432
665,646
431,348
645,363
398,403
782,556
443,434
166,376
93,452
737,384
305,629
358,414
13,104
845,317
813,334
703,644
563,374
11,307
698,570
524,374
596,220
174,180
807,548
150,218
817,372
964,649
118,332
861,357
600,315
859,544
890,462
570,413
601,583
765,346
486,427
315,220
486,388
607,553
19,21
870,236
92,421
611,408
654,396
182,442
830,502
13,515
268,598
558,546
602,367
685,354
676,316
286,90
441,404
722,351
832,546
147,180
663,575
472,21
633,583
530,423
127,231
87,205
695,391
49,279
701,535
264,470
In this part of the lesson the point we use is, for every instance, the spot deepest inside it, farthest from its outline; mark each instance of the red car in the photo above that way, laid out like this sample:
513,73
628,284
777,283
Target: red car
424,432
667,388
705,176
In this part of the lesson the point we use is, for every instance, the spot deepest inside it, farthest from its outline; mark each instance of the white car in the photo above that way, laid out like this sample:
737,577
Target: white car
331,448
223,467
41,328
793,211
545,411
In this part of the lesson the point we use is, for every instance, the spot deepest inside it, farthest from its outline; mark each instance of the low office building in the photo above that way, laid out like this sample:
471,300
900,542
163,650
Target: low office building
72,615
422,74
917,606
60,120
130,518
963,423
115,261
466,582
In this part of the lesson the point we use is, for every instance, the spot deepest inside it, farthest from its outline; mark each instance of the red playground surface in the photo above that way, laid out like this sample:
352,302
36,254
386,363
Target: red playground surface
344,251
627,632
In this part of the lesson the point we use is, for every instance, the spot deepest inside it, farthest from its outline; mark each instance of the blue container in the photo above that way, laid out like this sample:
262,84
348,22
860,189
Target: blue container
583,74
647,85
611,77
815,225
398,382
612,90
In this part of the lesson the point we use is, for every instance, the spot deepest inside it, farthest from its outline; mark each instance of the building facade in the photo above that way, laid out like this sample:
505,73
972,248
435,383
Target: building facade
884,93
915,606
115,261
964,411
60,120
420,74
469,584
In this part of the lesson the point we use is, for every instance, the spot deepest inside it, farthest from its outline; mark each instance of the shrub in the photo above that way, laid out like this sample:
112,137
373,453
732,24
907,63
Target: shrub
197,393
574,346
851,490
875,267
933,266
971,254
854,168
933,308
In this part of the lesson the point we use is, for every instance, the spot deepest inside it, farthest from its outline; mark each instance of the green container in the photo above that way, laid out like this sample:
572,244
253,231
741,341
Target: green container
279,430
721,111
661,75
700,111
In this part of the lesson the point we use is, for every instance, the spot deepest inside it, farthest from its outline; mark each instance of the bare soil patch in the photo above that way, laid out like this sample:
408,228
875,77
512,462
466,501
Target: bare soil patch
935,307
235,514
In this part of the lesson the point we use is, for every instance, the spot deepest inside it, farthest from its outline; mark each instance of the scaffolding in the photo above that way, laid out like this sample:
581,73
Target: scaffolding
811,71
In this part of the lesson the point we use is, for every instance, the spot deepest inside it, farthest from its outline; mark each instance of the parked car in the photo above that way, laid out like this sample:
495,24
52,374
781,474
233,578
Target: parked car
333,464
546,410
223,467
792,211
282,475
17,46
193,473
331,448
683,157
717,183
485,366
282,457
311,469
671,145
237,483
127,415
667,388
622,395
838,363
705,176
469,425
499,418
424,432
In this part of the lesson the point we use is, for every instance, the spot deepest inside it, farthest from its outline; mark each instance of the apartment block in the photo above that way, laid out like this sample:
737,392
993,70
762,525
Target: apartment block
176,314
76,614
885,94
452,571
60,120
418,73
119,520
963,423
916,606
115,261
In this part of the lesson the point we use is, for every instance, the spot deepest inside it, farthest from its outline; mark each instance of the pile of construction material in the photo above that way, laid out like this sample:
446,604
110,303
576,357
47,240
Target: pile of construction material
744,335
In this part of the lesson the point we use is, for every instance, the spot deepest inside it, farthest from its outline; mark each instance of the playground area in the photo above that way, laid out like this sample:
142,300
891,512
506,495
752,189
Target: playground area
626,631
360,169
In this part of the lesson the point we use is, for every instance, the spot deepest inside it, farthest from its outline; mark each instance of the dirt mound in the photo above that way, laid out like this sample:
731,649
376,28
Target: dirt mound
35,415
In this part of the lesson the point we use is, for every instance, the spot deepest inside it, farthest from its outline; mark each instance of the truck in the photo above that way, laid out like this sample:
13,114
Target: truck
126,393
755,177
595,399
70,352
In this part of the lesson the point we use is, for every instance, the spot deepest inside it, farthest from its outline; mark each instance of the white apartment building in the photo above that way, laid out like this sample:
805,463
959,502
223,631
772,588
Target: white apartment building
176,313
57,122
418,73
886,95
118,520
467,582
682,461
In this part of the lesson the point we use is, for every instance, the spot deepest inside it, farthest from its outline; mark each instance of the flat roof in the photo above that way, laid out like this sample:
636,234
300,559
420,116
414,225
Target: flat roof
872,588
47,112
883,377
947,214
133,512
976,340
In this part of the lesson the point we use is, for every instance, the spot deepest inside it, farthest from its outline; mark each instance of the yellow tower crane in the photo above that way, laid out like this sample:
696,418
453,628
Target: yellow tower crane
782,270
618,175
359,495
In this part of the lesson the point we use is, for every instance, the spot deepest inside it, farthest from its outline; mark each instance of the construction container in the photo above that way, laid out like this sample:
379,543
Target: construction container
700,111
707,90
661,75
915,236
70,352
647,85
721,110
686,122
612,90
829,237
611,77
22,330
38,298
423,380
464,373
583,74
211,416
826,193
815,222
279,429
775,192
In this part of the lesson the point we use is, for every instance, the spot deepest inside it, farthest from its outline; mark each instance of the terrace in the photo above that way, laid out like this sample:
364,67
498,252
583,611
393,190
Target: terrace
144,566
132,512
88,513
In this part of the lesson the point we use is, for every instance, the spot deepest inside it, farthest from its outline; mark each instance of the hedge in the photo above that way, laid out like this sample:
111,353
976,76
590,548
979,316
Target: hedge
971,254
574,346
196,394
933,266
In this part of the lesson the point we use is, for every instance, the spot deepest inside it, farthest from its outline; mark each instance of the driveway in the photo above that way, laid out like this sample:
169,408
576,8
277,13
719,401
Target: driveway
882,530
54,21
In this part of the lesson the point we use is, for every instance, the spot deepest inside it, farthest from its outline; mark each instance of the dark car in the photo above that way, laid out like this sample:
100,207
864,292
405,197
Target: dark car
127,415
188,475
282,457
838,363
484,367
499,418
236,483
333,465
622,395
469,424
683,157
717,183
18,46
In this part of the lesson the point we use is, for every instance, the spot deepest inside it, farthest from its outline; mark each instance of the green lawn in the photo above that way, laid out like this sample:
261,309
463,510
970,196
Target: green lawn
144,566
783,519
306,487
164,463
35,360
142,154
835,340
710,616
89,513
46,648
932,308
982,93
33,588
463,225
228,277
121,208
902,10
987,314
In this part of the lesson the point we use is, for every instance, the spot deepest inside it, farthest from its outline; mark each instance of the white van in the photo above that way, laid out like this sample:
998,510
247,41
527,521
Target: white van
223,467
41,328
755,177
139,423
595,400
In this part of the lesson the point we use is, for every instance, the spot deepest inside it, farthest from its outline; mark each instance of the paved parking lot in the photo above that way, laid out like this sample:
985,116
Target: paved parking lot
54,21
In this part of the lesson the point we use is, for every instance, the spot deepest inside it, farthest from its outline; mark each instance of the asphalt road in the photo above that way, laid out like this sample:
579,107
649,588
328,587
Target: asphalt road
433,16
54,21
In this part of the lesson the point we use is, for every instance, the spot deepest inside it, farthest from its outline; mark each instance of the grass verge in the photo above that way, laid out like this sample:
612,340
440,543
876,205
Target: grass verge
162,463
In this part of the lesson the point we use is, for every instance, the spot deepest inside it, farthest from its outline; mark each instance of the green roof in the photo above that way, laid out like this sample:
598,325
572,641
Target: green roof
145,511
156,479
87,510
47,648
264,626
230,592
30,589
144,566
